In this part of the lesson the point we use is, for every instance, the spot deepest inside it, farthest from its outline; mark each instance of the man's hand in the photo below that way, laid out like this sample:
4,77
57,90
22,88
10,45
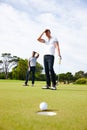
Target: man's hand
40,39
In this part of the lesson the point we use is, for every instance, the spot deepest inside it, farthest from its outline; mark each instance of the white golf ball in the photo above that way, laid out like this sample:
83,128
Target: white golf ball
43,106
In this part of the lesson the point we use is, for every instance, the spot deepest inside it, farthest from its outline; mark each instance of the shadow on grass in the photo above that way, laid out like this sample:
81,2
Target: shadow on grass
48,110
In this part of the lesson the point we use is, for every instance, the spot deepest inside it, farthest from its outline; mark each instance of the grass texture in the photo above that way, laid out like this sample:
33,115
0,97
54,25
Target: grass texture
19,106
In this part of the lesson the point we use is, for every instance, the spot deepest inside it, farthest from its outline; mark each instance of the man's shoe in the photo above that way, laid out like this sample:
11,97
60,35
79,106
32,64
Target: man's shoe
53,88
32,85
25,85
46,87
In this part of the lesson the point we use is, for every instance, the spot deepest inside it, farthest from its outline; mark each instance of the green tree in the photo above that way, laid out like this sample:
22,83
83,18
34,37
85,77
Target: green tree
66,77
85,75
62,77
69,77
79,74
1,68
19,72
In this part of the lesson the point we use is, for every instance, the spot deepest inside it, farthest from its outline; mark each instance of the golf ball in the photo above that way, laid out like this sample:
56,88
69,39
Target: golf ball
43,106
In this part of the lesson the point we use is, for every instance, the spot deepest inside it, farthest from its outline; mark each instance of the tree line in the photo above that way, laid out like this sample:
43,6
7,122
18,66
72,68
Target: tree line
13,67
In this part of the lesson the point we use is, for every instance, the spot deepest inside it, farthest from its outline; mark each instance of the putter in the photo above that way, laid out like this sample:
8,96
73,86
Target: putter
59,71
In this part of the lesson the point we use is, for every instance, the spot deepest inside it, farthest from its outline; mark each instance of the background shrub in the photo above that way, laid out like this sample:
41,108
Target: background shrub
81,81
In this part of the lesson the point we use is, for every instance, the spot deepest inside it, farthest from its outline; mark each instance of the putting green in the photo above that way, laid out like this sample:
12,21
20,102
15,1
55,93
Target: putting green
19,106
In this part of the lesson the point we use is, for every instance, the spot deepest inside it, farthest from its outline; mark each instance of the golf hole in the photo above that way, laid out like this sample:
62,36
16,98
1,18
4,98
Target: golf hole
47,113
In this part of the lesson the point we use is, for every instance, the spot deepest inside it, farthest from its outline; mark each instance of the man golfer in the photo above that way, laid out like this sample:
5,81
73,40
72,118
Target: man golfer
31,68
51,44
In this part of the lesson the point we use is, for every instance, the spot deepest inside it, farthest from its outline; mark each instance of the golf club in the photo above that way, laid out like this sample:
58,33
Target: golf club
59,71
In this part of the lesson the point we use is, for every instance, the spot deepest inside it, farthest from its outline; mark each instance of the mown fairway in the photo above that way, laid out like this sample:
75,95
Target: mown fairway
19,106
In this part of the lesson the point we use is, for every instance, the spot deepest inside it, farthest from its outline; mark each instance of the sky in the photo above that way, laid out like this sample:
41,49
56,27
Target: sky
22,21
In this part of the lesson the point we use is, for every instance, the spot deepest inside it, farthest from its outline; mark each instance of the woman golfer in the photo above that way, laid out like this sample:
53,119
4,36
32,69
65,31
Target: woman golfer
51,44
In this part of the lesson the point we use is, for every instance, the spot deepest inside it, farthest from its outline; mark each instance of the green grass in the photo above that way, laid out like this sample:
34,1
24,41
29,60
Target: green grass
19,106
